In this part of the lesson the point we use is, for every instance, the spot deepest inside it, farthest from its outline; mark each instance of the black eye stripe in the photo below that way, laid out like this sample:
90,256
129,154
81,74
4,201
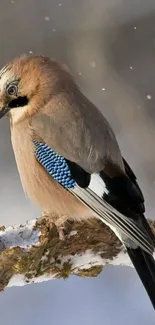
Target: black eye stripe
18,102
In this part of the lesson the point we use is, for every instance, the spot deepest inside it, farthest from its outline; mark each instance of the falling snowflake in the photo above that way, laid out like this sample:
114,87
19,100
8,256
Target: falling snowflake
47,18
135,27
148,96
103,88
93,64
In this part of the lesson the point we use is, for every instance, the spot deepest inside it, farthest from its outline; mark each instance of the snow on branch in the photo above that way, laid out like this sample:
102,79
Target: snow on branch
33,252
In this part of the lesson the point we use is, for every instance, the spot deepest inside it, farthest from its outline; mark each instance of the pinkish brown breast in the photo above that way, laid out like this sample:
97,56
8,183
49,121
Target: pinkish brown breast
37,184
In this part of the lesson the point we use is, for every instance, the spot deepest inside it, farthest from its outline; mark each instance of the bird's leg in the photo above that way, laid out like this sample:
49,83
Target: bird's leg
57,220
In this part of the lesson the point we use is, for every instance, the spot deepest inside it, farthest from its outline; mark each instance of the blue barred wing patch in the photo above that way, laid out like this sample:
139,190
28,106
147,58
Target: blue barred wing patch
54,164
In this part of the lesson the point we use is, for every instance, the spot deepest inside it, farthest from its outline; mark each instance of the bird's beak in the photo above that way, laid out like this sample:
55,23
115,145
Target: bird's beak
4,110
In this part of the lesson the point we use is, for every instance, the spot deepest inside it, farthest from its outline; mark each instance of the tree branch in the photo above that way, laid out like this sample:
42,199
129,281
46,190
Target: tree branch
33,252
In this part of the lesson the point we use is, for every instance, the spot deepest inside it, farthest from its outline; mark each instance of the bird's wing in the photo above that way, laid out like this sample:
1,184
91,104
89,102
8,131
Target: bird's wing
80,133
78,148
93,192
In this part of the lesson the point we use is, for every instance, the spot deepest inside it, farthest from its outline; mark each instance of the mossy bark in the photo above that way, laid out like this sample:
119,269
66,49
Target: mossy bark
54,257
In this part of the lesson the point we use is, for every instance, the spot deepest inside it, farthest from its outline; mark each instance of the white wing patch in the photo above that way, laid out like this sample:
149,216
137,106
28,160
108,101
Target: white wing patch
97,185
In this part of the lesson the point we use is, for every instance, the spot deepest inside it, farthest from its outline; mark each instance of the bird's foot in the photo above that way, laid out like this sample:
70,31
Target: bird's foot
60,230
58,221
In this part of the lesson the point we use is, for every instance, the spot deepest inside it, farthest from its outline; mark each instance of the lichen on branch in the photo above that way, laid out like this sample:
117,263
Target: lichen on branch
33,252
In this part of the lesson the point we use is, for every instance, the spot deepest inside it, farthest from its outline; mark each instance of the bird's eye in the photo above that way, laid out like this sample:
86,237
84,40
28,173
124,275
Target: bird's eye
12,90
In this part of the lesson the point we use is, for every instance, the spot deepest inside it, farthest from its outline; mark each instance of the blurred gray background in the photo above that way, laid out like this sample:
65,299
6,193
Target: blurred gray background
110,48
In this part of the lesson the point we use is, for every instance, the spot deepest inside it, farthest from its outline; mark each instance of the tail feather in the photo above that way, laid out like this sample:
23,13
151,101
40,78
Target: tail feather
144,264
118,201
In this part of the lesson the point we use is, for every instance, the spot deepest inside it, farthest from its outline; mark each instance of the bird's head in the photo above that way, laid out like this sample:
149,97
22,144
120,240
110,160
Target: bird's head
28,83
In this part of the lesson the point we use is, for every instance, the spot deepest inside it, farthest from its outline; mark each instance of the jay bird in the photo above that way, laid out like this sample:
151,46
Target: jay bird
69,160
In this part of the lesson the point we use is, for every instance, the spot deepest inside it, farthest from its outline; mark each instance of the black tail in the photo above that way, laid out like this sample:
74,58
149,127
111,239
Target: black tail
126,196
145,267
